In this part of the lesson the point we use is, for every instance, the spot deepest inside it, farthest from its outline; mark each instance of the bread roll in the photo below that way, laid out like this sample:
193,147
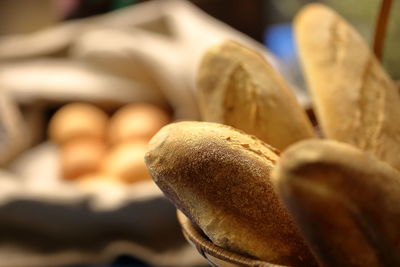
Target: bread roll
126,161
346,201
136,121
77,120
81,156
238,87
356,102
219,177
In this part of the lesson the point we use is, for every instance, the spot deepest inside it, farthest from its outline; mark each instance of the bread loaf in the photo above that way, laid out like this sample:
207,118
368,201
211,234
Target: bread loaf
219,177
238,87
346,201
356,102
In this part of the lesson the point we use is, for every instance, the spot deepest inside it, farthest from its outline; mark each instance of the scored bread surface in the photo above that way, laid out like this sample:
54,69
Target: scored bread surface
238,87
219,177
356,101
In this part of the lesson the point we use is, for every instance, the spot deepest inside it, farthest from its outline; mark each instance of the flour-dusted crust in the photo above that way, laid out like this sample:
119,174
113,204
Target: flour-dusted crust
220,178
238,87
346,201
356,101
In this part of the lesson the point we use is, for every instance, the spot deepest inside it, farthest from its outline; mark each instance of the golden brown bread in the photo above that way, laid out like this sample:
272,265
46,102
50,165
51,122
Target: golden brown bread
81,156
346,202
126,161
356,102
137,121
78,120
220,178
238,87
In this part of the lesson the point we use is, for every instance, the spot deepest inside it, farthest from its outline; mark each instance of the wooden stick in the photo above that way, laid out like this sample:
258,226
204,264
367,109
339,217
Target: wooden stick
381,27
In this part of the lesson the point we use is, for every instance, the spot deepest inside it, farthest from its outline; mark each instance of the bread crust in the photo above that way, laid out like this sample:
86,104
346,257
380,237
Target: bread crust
356,102
346,202
219,177
238,87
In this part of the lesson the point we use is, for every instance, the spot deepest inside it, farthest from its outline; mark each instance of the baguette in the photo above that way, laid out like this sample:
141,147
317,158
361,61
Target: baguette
219,178
356,102
238,87
346,202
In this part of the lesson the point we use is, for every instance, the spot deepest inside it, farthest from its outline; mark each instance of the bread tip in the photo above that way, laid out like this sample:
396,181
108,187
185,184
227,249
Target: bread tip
220,46
157,141
311,10
300,154
159,137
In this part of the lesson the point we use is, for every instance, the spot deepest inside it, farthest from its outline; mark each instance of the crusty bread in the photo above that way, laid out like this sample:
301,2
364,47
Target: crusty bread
356,101
346,202
219,177
238,87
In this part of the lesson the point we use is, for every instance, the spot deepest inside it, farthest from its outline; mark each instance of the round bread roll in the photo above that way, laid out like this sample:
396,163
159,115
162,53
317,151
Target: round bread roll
77,120
126,161
136,121
82,156
219,177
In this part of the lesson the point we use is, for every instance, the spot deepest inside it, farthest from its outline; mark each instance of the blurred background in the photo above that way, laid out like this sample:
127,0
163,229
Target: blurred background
84,85
255,18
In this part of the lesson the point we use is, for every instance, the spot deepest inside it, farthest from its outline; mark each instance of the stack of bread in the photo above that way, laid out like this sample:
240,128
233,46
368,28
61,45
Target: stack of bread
95,148
267,187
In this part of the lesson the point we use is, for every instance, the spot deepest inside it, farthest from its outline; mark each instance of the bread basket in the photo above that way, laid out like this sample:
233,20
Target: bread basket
215,255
